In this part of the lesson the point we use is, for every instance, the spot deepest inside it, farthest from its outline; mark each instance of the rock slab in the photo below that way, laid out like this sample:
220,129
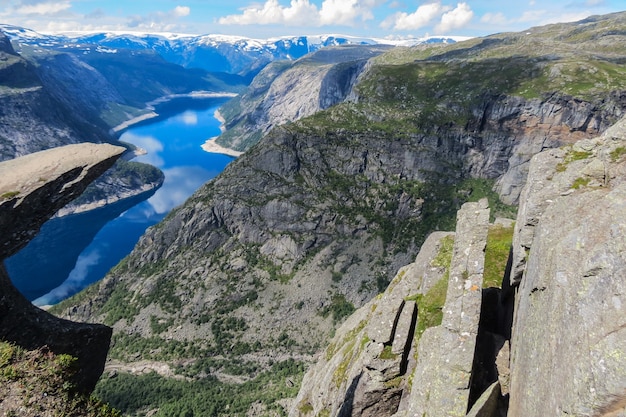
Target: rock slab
32,189
570,320
441,381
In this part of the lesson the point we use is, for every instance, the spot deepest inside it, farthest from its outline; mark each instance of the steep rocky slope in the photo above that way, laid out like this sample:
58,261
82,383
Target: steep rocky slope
31,118
566,295
263,262
287,91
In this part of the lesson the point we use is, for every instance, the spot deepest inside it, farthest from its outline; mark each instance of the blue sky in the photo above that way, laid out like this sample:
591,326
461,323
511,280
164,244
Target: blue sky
269,18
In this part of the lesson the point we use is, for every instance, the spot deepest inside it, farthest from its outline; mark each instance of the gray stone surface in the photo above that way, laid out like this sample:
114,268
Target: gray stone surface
405,328
570,321
441,380
356,375
487,404
32,189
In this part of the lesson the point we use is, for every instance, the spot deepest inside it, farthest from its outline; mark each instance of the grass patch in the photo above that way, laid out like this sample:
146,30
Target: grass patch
580,182
617,153
499,241
572,156
8,195
339,308
43,381
430,305
444,256
387,353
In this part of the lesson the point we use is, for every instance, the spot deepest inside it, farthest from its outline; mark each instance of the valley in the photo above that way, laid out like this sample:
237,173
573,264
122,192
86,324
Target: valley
314,250
172,142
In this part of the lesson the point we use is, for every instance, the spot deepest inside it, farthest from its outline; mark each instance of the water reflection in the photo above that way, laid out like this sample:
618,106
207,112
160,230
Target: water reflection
87,248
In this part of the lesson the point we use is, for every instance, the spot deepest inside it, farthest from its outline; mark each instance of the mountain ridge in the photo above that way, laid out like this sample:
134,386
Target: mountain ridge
225,53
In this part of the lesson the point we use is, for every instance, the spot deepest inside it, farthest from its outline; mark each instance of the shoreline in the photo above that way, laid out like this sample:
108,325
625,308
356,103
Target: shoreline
134,120
212,147
152,114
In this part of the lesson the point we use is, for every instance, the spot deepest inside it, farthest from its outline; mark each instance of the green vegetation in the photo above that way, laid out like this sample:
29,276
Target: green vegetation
499,241
9,194
571,156
444,256
387,353
133,395
339,307
116,113
118,305
430,305
348,339
43,381
126,174
580,182
158,325
617,153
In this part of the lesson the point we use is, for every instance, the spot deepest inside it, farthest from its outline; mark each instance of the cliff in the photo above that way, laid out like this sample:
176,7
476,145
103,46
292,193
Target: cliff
312,222
32,119
560,309
287,91
32,189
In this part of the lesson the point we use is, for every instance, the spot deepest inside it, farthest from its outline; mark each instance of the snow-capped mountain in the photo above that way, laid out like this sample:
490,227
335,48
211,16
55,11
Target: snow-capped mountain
215,53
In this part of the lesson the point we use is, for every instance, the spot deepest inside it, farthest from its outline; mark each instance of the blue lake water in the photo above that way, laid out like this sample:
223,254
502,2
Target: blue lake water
74,251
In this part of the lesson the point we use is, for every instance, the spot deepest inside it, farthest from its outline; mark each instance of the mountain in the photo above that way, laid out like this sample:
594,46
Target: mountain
248,280
32,119
286,91
282,91
215,53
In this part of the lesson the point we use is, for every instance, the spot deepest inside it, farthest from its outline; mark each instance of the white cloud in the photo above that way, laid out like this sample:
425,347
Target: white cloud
160,21
494,19
150,144
342,12
75,280
43,8
189,118
423,16
181,11
455,19
304,13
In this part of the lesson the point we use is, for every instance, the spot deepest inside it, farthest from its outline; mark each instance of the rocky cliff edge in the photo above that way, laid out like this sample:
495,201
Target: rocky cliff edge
32,189
551,341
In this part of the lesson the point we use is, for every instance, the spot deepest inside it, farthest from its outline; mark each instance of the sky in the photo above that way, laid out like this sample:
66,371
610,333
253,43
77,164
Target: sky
392,19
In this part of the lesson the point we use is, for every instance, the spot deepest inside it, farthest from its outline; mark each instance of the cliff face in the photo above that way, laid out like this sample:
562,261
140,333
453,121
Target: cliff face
31,119
32,189
288,91
568,256
564,288
312,222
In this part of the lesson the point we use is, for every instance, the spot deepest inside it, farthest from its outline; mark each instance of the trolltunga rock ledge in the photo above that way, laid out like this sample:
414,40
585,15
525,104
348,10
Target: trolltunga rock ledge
32,189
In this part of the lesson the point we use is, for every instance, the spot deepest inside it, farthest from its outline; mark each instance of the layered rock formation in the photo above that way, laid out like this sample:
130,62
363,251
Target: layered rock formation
31,119
399,354
564,281
32,189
